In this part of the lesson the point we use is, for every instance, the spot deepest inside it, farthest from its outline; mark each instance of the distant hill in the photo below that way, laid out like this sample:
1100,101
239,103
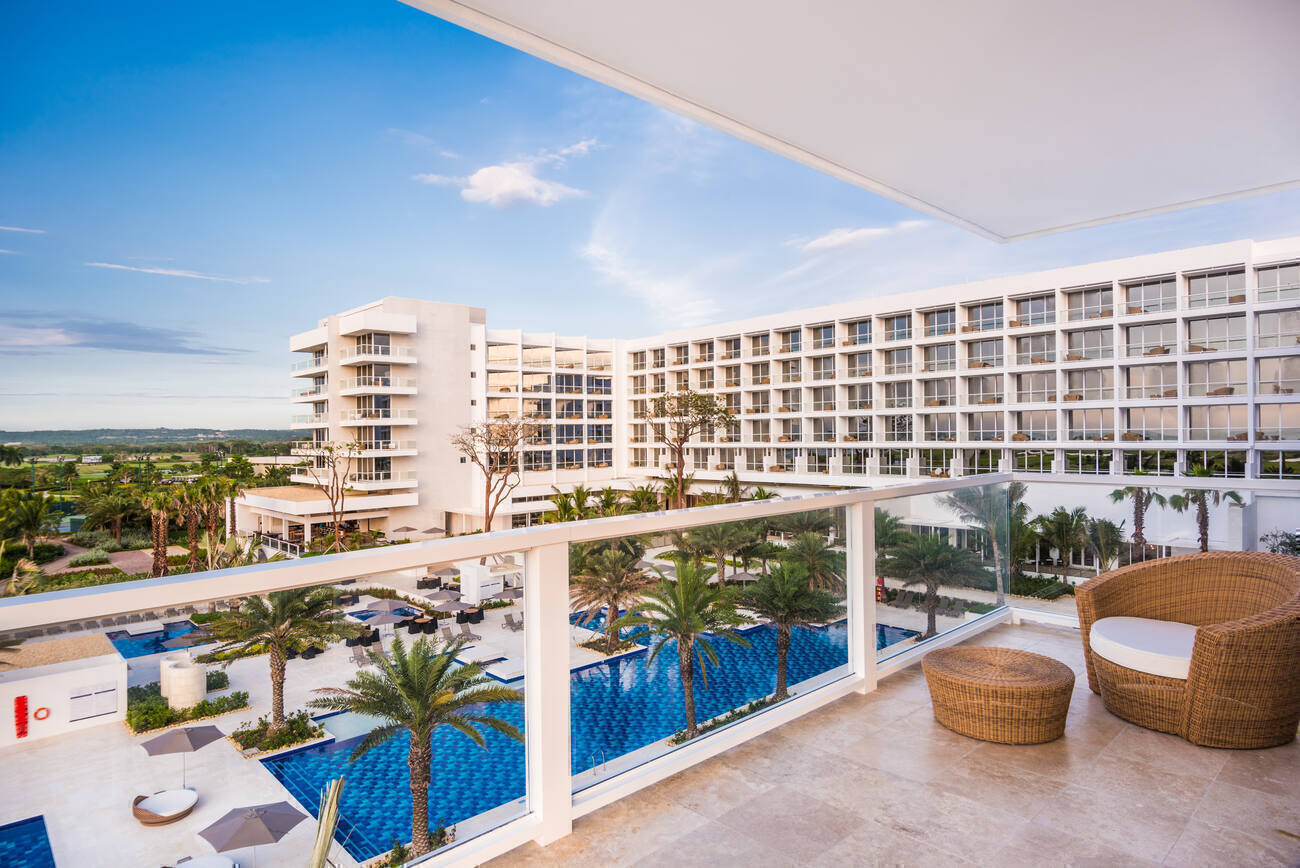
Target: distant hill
85,436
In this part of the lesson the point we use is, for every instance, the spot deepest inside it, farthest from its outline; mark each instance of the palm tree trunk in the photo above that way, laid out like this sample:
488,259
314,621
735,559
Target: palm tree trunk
999,581
117,530
230,518
277,690
931,604
159,543
782,652
684,649
418,761
611,628
1203,522
1139,521
192,537
722,569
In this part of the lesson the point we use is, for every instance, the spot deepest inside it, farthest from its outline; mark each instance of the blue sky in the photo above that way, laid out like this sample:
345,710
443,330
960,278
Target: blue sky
205,179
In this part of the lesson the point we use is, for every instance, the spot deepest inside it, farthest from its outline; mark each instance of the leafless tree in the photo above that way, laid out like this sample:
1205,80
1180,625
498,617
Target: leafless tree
330,471
495,448
675,419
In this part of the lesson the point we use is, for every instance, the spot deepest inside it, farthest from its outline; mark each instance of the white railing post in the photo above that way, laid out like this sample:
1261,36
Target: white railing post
861,578
546,690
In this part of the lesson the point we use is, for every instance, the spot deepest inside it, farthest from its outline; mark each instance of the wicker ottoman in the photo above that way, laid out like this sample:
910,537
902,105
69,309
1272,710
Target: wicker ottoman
999,694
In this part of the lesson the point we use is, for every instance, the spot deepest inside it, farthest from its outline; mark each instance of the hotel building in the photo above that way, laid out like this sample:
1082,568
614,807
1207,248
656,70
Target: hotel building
1152,364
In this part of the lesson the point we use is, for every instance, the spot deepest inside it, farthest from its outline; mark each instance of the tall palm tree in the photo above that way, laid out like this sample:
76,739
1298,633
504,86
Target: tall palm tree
721,540
564,508
1105,540
30,518
160,501
675,492
688,546
732,489
582,496
823,564
761,493
191,510
283,621
989,508
608,501
890,531
11,456
927,559
1201,499
609,578
419,692
784,598
25,579
1143,499
106,507
644,498
1065,530
797,523
694,614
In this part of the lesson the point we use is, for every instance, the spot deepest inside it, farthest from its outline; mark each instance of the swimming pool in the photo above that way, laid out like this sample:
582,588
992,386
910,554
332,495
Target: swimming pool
144,644
617,706
25,844
367,614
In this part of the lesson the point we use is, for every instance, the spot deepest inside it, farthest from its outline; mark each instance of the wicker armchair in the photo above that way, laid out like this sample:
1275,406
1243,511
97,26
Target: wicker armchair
1243,684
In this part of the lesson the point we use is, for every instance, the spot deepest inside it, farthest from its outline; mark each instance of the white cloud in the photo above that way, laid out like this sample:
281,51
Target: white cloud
516,182
838,239
177,272
4,252
21,229
676,299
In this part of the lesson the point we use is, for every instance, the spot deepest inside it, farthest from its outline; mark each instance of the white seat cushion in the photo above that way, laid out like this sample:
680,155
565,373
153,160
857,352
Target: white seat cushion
170,802
1156,647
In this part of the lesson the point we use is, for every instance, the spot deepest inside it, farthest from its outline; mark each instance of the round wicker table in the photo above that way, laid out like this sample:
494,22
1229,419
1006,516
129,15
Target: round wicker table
999,694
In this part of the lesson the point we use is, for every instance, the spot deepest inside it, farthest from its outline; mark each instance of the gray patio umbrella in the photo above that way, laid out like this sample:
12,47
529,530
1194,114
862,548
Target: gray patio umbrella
742,577
434,530
454,606
383,618
388,605
446,573
403,529
182,741
441,596
252,827
509,594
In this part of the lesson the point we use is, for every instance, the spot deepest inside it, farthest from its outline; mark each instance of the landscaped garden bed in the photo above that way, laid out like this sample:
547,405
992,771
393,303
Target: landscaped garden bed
298,730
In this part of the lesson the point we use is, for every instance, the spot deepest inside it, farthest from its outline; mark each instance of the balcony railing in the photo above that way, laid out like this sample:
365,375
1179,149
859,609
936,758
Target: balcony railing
364,476
366,414
985,362
377,351
1140,434
1100,434
311,419
358,383
985,398
1152,306
932,366
1215,389
1216,299
1091,311
1041,357
1218,432
982,325
823,343
1093,393
859,371
1208,345
858,340
988,435
791,378
1032,319
1275,340
892,403
936,331
827,374
1035,396
1135,349
1088,354
898,368
299,394
1285,292
309,364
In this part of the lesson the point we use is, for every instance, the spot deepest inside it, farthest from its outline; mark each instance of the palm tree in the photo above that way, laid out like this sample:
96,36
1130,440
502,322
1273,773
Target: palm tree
784,598
191,510
108,508
732,490
608,501
989,508
683,611
26,577
1065,530
160,502
1105,539
235,553
11,456
721,540
761,493
30,518
609,578
687,546
797,523
1201,500
582,495
675,493
644,498
283,621
927,559
419,692
761,551
1142,498
890,531
823,564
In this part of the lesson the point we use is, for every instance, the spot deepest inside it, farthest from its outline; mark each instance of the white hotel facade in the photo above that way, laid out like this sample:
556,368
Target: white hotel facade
1151,364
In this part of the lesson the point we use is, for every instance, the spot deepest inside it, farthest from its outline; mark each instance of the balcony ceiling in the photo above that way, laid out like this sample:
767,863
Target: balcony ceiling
1011,119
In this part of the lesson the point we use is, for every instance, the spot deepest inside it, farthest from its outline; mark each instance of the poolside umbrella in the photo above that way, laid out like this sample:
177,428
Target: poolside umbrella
383,618
388,606
446,573
508,594
434,530
453,606
742,577
403,529
252,827
182,741
187,640
441,596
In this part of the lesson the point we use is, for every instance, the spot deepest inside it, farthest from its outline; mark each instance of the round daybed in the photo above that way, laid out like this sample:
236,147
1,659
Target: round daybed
1205,646
164,807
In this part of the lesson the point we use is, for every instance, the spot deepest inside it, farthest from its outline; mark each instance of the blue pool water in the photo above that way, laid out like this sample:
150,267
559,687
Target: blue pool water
617,706
366,614
144,644
25,844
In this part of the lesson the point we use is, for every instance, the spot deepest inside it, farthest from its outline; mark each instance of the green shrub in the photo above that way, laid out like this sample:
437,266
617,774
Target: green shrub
205,617
133,541
298,727
92,558
151,711
95,539
1044,588
218,679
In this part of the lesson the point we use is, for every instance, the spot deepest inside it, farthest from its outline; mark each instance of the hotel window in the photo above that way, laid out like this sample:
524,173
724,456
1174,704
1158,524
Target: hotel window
855,461
823,368
822,336
759,402
502,354
1223,422
568,409
732,434
600,409
754,459
1148,296
760,373
540,435
897,428
1279,376
1222,463
731,376
1036,388
977,461
1278,282
941,357
1216,288
985,354
935,462
1087,460
792,371
568,384
657,358
823,429
985,426
638,360
791,340
681,354
1217,333
859,397
1039,310
898,361
1151,423
858,332
569,459
858,365
1035,349
600,433
1035,425
704,351
537,460
984,390
568,435
760,430
893,462
759,345
823,399
1091,344
1154,339
859,429
898,394
640,409
790,401
638,385
600,458
502,381
791,430
599,386
1278,329
704,379
681,380
941,322
786,459
898,327
658,383
819,460
537,408
726,459
731,348
1279,465
1092,424
983,317
1152,381
732,402
542,382
1092,302
1278,422
1156,462
941,427
1216,379
1031,460
537,357
940,393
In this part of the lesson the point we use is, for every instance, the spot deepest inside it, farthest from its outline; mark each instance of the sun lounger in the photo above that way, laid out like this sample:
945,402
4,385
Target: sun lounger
467,633
905,599
359,656
172,613
164,807
511,624
134,619
447,635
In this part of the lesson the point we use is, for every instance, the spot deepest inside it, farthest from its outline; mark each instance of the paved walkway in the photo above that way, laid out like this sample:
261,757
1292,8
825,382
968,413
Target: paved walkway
135,561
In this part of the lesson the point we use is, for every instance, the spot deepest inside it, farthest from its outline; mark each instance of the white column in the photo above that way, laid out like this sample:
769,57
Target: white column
546,690
861,582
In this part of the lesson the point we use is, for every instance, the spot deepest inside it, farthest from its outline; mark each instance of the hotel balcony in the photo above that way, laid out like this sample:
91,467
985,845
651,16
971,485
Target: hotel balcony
377,386
353,418
377,354
308,395
366,448
309,367
310,420
382,480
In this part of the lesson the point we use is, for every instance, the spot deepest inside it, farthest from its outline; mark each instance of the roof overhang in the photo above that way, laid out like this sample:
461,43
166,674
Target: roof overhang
1012,119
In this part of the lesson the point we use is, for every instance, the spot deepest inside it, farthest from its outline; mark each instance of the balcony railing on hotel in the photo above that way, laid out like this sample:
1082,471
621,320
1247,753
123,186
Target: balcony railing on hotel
1273,340
1042,357
385,351
382,476
1285,292
308,364
311,419
1206,345
1152,306
378,382
1088,354
308,392
365,414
